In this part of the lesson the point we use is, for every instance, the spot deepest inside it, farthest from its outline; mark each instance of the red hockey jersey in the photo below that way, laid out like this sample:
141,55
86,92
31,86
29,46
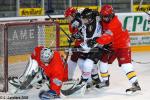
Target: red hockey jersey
119,36
73,31
55,70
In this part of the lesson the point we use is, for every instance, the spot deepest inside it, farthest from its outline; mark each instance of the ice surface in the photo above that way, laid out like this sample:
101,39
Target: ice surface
118,84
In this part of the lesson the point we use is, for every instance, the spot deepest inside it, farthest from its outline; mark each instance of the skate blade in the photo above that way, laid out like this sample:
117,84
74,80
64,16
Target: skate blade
133,93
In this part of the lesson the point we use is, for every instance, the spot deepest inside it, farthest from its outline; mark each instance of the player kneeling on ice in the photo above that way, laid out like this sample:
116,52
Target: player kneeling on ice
44,64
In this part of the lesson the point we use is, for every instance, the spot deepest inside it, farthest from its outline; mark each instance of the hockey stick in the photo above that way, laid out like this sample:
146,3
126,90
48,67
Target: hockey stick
140,6
67,55
139,62
68,36
75,88
48,14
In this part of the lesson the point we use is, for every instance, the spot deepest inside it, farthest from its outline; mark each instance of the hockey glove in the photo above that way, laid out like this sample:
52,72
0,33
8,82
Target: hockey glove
77,35
71,40
107,48
91,42
47,95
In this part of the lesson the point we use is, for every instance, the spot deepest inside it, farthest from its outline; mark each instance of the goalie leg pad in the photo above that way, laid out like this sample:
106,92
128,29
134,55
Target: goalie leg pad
14,81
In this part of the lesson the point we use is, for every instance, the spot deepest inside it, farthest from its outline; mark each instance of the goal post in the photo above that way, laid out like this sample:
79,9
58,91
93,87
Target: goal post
2,76
17,42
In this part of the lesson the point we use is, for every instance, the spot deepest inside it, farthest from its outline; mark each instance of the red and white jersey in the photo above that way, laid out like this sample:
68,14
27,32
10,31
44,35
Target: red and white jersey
55,70
73,31
120,37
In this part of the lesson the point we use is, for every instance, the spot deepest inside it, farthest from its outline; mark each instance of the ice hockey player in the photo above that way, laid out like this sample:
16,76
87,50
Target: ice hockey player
73,17
90,54
89,58
53,67
119,37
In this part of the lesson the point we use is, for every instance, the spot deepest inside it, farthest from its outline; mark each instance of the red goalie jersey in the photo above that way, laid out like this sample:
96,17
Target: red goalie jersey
56,70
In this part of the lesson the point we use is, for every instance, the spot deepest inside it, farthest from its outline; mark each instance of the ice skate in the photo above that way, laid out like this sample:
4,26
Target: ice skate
103,83
135,87
93,83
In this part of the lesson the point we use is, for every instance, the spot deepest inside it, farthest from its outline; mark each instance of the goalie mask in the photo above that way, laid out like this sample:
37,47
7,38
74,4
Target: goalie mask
46,55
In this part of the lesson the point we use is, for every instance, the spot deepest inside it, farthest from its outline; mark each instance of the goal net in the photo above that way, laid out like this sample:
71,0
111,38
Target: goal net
17,42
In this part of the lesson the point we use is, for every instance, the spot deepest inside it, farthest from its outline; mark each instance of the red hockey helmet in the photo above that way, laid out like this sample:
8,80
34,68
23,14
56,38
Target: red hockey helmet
107,12
70,11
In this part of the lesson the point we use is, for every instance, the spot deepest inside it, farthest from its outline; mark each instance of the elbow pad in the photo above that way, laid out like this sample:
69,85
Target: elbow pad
104,39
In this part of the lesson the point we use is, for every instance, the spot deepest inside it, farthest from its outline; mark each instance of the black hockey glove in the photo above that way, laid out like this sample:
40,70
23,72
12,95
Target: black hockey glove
91,42
77,35
71,40
107,48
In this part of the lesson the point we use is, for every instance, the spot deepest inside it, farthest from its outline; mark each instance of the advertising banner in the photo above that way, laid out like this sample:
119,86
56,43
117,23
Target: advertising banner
135,22
138,25
144,8
21,39
31,12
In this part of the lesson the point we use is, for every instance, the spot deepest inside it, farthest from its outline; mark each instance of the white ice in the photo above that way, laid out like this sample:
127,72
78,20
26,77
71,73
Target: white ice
118,84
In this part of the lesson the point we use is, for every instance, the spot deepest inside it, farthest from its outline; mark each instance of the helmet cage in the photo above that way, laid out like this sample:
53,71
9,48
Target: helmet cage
107,18
46,55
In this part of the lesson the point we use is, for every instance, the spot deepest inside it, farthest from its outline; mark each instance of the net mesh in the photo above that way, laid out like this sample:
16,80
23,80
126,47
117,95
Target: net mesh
23,37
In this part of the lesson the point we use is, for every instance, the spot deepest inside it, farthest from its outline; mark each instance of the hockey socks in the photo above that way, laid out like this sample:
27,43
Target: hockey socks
131,75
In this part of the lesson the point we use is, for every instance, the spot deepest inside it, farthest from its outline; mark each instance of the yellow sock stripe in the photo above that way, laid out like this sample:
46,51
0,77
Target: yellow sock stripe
131,74
104,74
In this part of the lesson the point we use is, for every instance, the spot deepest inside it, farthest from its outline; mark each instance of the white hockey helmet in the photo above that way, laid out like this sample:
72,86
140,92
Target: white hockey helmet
46,55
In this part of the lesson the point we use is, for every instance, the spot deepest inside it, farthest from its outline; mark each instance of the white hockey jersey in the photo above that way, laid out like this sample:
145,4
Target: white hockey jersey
96,33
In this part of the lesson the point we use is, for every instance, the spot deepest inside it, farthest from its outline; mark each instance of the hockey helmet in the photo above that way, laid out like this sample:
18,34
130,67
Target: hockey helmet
70,11
86,13
107,13
87,16
46,55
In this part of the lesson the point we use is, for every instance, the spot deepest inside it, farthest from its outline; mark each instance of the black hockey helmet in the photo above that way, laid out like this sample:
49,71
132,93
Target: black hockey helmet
87,13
